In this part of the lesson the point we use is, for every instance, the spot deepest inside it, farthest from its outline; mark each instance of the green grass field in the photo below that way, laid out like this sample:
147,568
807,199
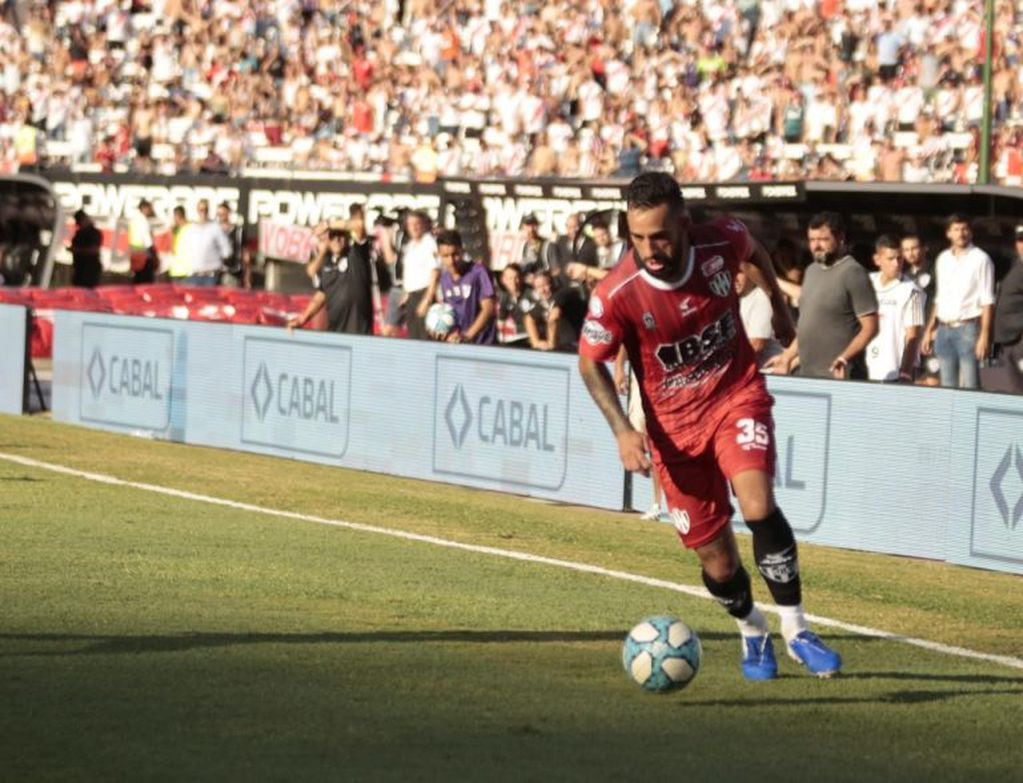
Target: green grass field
150,637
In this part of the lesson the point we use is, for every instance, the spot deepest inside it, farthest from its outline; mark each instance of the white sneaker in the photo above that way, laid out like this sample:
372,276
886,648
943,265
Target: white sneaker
652,513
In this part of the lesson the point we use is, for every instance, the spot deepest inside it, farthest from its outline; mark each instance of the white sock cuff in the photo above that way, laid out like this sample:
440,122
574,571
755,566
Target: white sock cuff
753,624
793,621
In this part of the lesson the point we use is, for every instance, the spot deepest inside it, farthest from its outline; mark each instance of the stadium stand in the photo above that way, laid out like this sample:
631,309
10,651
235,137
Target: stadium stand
712,91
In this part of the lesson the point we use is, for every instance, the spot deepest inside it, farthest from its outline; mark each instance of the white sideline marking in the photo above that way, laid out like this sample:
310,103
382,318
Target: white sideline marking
511,554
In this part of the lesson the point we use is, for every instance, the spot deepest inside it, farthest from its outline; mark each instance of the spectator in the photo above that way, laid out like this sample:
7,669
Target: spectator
893,353
1008,329
574,246
514,300
181,263
237,266
85,246
959,327
607,252
790,273
757,317
208,248
917,268
467,287
538,253
837,309
609,249
141,247
341,272
553,324
416,270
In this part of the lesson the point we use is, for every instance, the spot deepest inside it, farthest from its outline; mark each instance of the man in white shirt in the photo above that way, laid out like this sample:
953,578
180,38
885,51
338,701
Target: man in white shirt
959,329
208,248
420,271
757,317
891,355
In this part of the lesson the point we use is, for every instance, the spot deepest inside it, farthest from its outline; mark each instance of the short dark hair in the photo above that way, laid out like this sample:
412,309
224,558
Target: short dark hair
956,217
450,237
652,189
886,242
356,209
830,220
337,233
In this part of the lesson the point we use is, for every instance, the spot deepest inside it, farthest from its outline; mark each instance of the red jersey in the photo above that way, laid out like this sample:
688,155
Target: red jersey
685,340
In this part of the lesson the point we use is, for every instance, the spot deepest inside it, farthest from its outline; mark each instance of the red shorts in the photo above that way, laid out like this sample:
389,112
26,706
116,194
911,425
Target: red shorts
695,472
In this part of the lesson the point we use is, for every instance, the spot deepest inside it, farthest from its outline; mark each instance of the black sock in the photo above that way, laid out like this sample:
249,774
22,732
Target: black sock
735,594
774,548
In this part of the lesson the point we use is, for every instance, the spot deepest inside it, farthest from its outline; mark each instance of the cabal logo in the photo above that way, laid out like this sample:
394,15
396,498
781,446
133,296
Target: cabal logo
262,391
507,422
1000,480
297,395
96,373
501,421
458,416
293,395
996,527
124,376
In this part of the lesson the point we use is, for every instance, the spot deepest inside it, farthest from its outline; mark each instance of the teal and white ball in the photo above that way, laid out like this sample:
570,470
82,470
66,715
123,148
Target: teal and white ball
440,318
661,654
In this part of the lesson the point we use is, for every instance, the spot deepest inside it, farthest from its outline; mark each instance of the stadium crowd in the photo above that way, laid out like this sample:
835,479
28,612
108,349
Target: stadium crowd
712,91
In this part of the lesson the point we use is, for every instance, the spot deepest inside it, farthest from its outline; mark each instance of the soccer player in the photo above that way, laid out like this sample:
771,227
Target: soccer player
672,303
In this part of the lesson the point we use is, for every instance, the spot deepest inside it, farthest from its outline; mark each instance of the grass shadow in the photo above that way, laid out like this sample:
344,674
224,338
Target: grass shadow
112,645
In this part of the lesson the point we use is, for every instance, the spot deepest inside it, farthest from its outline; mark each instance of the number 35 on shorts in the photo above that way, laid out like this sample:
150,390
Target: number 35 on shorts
752,434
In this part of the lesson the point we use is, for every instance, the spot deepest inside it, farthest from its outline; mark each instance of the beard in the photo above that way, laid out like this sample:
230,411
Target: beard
826,259
662,266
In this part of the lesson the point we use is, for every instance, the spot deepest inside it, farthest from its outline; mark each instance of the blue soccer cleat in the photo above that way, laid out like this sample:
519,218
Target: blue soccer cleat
817,657
758,661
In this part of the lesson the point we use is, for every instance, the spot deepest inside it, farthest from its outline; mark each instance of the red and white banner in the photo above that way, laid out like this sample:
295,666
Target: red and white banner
286,241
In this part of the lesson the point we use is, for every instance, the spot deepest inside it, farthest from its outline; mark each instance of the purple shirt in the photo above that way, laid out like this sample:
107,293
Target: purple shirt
466,295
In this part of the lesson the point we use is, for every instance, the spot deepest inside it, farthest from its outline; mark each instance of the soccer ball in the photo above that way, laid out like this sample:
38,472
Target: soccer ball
661,654
440,318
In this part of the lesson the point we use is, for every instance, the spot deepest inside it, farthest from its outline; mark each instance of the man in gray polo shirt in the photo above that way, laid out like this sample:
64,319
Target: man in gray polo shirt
837,309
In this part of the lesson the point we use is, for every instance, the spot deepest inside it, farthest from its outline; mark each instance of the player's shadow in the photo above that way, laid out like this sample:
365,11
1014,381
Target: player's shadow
901,696
112,645
982,679
20,478
892,697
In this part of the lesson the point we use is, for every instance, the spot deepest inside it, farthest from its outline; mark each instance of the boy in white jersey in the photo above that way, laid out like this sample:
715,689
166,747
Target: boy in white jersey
892,354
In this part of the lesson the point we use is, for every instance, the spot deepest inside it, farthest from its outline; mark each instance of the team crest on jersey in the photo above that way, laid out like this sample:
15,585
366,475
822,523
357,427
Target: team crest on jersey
595,334
712,265
342,265
596,307
721,283
680,519
648,320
